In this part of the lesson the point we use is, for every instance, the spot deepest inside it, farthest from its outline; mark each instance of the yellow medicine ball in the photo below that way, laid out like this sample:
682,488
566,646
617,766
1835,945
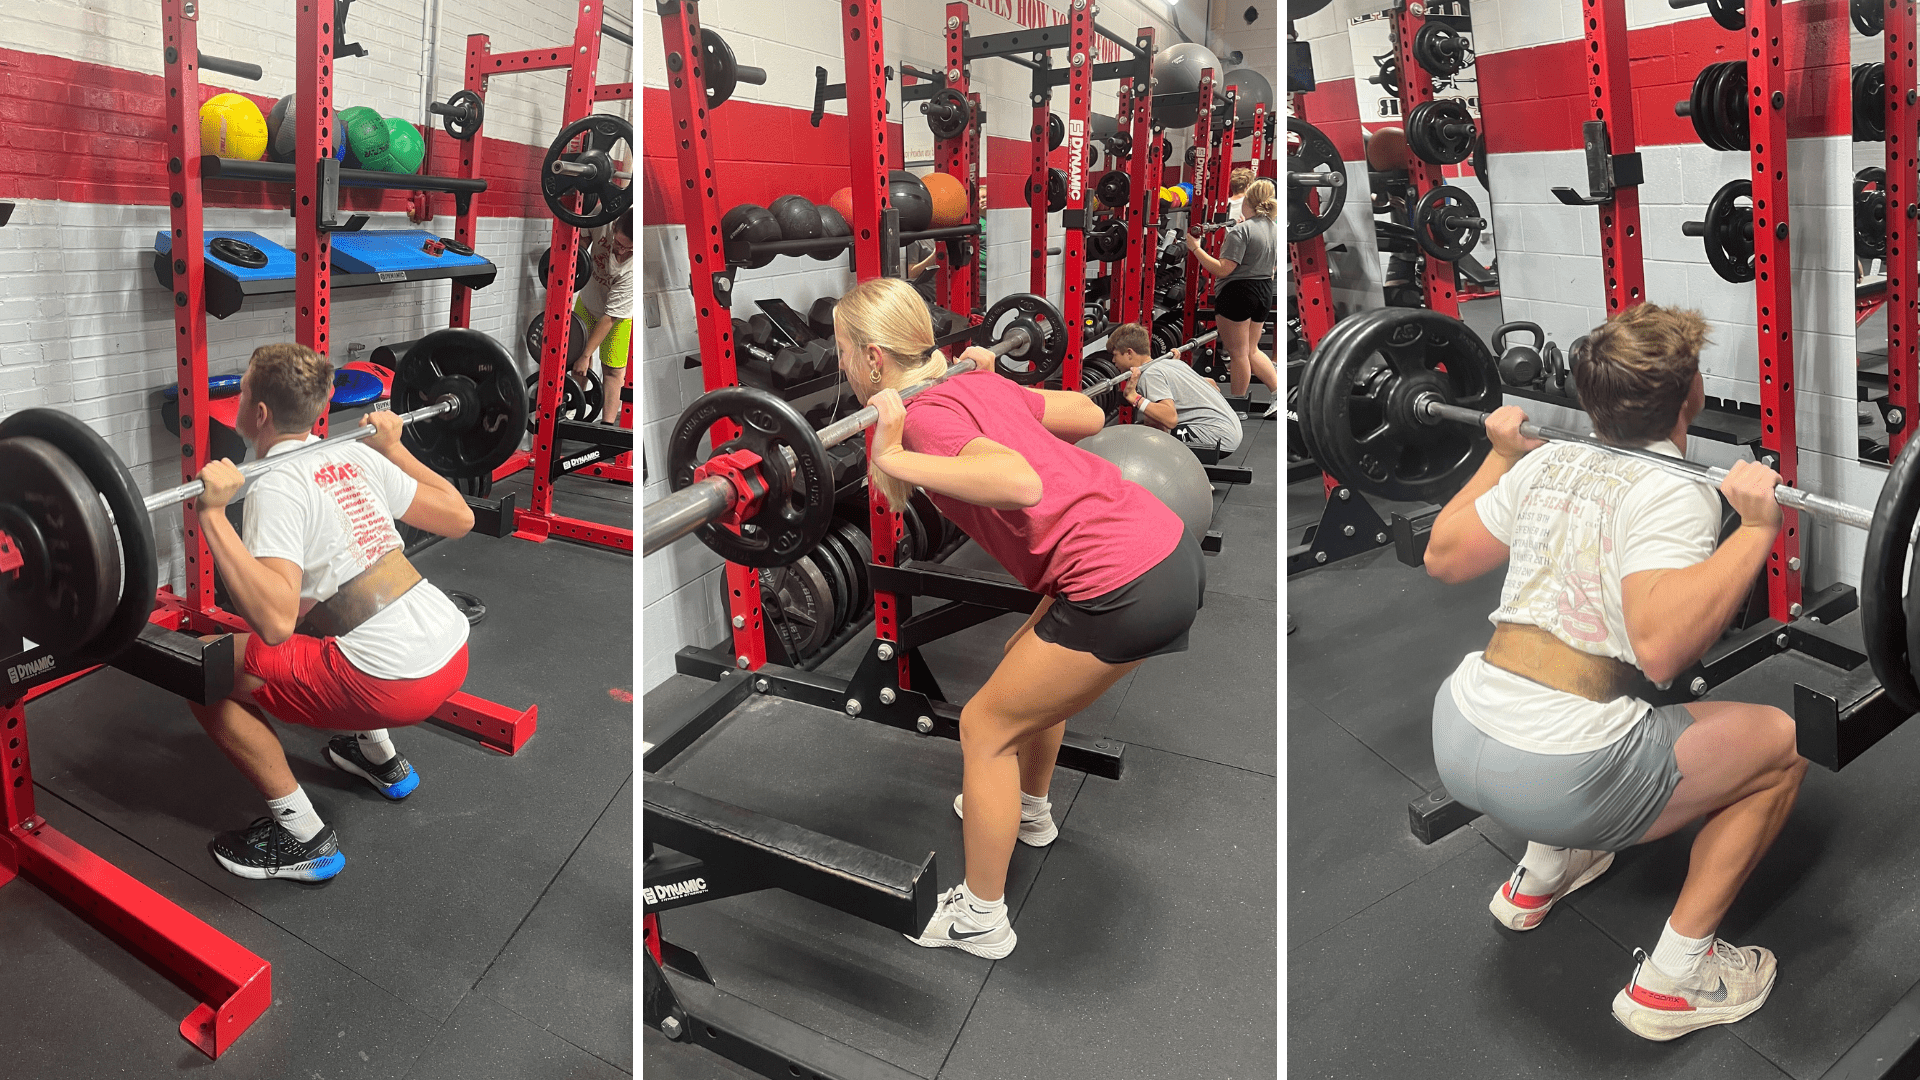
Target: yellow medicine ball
231,127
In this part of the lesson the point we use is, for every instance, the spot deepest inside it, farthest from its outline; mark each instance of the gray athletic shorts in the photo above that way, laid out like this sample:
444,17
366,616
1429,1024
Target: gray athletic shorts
1604,799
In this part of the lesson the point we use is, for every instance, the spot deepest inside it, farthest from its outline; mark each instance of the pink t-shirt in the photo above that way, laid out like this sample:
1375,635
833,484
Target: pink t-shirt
1092,531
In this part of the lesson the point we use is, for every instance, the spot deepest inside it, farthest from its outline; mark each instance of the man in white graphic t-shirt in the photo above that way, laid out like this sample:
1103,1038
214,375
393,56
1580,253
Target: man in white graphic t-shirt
1613,580
346,636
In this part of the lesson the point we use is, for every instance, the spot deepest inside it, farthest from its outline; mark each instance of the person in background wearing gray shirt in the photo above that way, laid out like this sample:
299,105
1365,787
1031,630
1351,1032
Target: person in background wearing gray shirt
1245,298
1172,396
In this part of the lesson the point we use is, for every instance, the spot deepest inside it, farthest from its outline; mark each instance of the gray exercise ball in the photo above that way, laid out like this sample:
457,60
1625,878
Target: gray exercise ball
1163,465
1177,71
280,130
1254,90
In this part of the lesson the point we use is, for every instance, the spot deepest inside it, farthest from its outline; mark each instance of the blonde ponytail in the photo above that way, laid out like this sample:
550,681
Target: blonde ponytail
888,313
1259,200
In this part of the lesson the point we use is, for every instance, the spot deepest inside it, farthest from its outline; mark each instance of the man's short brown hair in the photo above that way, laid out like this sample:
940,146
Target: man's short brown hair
1635,371
293,381
1238,179
1129,337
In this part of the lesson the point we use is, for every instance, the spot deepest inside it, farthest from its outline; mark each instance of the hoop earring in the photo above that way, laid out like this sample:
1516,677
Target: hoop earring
876,376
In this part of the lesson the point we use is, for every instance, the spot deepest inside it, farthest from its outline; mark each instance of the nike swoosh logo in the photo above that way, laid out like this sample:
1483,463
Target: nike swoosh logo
957,934
1716,995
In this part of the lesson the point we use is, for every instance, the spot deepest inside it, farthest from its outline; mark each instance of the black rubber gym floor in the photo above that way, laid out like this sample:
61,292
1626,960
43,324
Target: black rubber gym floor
1147,934
482,927
1396,969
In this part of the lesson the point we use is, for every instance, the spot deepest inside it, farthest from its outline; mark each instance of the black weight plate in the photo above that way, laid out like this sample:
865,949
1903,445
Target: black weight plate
859,553
1309,150
933,527
70,581
467,444
798,507
832,564
469,126
1869,16
604,198
799,604
1729,232
1884,625
596,393
1056,131
139,573
1730,14
1440,49
1433,145
1870,214
236,251
916,538
1432,220
573,402
1730,105
1030,369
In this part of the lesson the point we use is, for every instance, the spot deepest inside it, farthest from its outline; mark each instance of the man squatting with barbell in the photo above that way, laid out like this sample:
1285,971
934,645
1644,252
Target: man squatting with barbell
346,636
1612,578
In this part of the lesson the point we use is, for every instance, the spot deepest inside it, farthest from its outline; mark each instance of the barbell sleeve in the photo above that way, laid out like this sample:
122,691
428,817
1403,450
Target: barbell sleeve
573,168
1791,497
160,500
237,68
673,516
1317,179
756,76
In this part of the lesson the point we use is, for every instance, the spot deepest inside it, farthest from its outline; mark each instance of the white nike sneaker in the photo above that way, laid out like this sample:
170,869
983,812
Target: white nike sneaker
957,924
1731,983
1517,910
1034,831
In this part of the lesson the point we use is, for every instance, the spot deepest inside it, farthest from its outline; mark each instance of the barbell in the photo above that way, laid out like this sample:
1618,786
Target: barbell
1395,403
76,536
756,514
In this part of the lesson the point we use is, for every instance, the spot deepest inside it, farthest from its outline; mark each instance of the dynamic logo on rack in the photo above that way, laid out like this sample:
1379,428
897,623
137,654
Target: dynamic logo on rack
675,890
18,673
1076,161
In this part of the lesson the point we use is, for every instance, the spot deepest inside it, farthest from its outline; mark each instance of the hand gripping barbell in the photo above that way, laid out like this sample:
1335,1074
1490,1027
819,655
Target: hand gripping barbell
76,536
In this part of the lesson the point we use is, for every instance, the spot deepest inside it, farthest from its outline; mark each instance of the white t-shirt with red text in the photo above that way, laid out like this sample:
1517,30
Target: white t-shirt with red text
332,513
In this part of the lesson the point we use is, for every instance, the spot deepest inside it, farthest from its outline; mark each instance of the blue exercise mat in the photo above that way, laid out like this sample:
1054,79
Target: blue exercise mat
281,263
373,251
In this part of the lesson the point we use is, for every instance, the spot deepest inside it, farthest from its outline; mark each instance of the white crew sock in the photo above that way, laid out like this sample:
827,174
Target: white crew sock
984,912
1033,806
1545,867
1679,956
295,814
375,744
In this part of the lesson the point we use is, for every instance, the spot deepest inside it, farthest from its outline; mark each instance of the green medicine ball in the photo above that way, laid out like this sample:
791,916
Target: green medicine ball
366,138
405,147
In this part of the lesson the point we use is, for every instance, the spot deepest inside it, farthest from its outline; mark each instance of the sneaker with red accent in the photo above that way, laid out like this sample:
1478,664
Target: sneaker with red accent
1516,909
1731,982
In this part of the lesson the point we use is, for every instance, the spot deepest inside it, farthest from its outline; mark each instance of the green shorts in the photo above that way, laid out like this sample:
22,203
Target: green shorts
618,348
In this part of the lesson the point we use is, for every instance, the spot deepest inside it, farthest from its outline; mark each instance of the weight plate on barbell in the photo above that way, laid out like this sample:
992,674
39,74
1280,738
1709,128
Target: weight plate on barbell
797,508
1886,628
1309,150
1033,367
1360,393
493,416
139,573
604,197
53,521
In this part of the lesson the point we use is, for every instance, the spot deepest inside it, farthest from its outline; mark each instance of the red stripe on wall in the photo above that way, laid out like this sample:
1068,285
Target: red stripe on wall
762,152
1334,108
1535,99
87,133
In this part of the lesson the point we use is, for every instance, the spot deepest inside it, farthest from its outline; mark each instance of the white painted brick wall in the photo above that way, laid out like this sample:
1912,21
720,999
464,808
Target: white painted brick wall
85,328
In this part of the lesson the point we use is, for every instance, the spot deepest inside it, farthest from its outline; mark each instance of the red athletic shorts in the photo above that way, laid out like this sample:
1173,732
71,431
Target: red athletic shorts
311,683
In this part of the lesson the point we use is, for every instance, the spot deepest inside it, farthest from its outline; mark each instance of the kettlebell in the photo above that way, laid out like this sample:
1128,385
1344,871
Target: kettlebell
1520,365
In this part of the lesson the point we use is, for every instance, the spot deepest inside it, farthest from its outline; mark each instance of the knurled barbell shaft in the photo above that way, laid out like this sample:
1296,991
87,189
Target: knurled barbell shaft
1790,497
160,500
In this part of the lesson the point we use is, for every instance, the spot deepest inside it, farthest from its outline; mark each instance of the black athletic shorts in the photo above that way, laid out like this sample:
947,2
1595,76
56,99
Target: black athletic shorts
1148,616
1249,299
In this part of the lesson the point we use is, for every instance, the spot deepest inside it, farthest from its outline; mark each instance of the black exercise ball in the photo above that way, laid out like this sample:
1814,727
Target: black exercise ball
831,224
752,223
909,196
1177,71
797,218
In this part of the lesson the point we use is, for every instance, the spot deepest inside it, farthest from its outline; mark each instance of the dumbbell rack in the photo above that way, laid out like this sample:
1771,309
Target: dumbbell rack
610,449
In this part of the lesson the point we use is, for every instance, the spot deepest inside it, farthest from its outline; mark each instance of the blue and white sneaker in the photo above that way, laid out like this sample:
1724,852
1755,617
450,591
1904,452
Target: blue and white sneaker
957,924
265,849
395,779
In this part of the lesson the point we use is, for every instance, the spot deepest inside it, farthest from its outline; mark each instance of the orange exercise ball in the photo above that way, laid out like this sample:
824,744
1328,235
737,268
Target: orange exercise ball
843,201
949,197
